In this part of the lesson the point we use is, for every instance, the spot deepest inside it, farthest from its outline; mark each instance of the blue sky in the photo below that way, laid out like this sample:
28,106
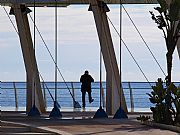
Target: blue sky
78,45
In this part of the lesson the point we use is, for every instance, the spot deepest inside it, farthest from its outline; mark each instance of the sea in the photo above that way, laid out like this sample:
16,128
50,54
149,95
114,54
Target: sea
13,95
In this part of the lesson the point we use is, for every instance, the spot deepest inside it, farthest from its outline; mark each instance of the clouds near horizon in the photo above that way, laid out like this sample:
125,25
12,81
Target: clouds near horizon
78,44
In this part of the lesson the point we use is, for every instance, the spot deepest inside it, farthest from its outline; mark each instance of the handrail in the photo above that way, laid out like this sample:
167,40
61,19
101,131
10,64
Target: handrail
135,96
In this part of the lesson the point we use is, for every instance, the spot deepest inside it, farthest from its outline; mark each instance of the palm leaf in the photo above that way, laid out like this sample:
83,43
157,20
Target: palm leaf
174,12
163,4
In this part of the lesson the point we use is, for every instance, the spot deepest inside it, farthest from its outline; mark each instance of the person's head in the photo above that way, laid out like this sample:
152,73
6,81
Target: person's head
86,72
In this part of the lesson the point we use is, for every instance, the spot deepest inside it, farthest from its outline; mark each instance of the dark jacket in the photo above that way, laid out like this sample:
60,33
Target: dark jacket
86,80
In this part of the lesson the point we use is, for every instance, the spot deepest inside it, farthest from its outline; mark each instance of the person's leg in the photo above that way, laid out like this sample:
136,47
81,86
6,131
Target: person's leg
83,99
90,97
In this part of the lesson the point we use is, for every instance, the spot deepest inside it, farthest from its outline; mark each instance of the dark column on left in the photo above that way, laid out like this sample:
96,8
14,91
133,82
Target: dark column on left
32,74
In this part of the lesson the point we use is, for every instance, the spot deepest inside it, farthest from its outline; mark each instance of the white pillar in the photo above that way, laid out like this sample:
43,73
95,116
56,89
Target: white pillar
114,92
29,59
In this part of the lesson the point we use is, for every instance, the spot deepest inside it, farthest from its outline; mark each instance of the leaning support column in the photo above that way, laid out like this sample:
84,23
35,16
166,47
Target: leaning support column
20,12
178,47
114,93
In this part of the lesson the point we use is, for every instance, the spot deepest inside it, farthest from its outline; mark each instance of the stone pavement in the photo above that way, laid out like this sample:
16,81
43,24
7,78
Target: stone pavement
82,123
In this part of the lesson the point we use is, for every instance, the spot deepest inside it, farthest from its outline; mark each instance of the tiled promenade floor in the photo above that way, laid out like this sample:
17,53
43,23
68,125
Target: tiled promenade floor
82,123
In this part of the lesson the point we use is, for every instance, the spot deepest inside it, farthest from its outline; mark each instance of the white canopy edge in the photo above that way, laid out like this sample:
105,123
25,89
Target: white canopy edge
68,2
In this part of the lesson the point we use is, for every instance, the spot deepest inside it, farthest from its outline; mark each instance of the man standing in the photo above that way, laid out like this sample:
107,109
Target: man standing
86,80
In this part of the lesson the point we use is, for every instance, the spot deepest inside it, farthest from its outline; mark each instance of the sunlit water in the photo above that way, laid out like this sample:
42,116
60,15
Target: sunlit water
139,90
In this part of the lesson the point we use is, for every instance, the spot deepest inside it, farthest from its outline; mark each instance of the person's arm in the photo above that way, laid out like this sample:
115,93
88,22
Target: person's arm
92,80
81,79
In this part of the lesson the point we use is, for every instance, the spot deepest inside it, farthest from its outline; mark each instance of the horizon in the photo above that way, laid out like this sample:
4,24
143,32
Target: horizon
78,40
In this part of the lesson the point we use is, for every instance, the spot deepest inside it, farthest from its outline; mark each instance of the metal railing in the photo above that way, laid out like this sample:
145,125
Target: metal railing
13,94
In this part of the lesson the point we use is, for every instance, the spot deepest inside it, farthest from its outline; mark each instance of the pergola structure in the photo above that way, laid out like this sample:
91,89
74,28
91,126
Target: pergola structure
99,8
40,3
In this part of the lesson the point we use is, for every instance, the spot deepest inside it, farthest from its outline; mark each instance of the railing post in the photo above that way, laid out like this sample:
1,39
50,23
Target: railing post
15,93
44,95
102,96
131,97
73,94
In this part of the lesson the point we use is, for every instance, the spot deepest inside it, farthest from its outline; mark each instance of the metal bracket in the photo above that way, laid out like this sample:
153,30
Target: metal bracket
102,5
24,10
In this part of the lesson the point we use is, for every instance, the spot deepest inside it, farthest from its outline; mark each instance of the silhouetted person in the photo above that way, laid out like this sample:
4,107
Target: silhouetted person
86,80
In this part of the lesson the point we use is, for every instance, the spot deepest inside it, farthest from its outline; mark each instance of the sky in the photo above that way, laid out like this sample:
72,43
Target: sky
78,45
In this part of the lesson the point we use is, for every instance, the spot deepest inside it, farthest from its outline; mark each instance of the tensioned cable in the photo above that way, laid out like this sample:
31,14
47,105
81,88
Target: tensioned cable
56,47
120,50
34,25
18,35
47,87
130,52
100,74
144,40
35,75
46,48
136,63
52,58
10,20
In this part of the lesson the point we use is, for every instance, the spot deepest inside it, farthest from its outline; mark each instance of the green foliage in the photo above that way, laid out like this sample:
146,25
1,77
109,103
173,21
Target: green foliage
163,4
176,101
164,98
174,12
162,112
167,15
168,20
167,99
158,93
143,118
159,20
